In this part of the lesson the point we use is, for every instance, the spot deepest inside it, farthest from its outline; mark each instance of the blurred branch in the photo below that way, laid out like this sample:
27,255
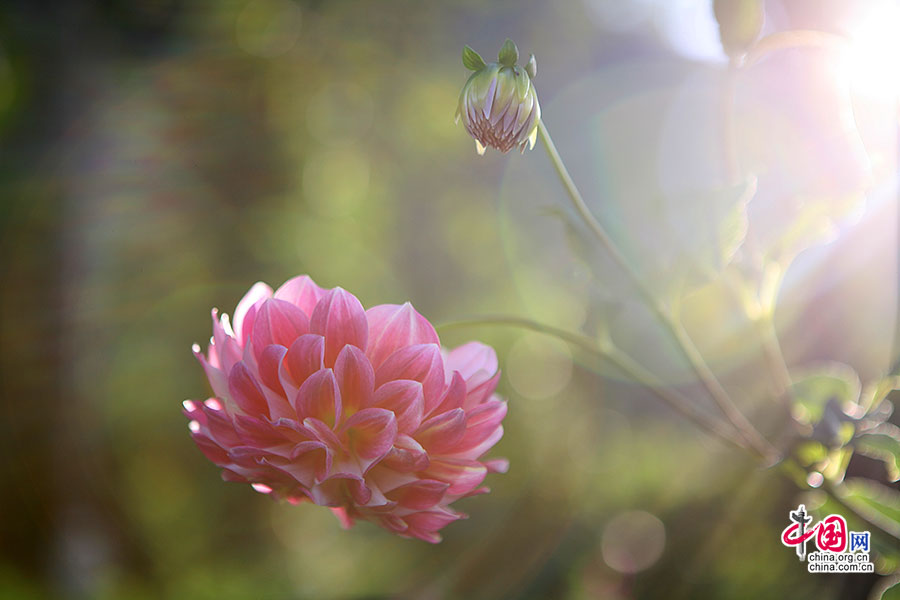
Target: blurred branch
871,518
761,312
693,356
616,357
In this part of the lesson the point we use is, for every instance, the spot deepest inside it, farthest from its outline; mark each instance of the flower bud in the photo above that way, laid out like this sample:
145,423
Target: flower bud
740,22
498,104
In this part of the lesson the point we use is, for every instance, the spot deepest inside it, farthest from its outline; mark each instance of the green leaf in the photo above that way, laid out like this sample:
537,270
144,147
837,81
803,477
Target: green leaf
472,60
509,54
885,549
892,592
709,227
883,443
874,501
814,387
531,67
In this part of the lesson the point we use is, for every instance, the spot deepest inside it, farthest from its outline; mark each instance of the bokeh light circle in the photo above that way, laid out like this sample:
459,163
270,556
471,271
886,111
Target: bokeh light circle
633,541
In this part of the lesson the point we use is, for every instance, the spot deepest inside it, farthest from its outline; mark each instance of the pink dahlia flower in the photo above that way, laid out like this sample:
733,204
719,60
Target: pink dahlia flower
318,400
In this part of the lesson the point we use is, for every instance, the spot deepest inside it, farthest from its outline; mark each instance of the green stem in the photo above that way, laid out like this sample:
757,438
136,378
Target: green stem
616,357
761,314
576,339
740,422
775,358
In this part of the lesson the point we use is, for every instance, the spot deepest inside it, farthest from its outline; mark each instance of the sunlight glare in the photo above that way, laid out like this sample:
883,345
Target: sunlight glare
873,56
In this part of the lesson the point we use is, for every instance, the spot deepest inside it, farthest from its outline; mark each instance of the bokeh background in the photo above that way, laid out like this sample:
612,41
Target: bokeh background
160,156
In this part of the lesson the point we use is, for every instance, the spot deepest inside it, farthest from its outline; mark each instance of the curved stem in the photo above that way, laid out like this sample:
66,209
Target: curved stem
675,329
619,359
576,339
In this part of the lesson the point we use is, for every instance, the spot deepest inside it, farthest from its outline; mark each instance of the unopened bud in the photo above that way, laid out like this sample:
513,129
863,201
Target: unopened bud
498,104
740,22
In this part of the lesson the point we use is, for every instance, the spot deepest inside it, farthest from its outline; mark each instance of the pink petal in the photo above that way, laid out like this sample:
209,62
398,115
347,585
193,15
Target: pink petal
211,450
310,462
481,422
442,432
472,357
371,433
302,292
419,495
333,491
269,364
220,427
392,327
481,447
214,375
227,350
356,379
393,523
454,396
480,392
259,432
422,363
359,491
340,318
462,475
323,433
246,310
302,470
277,322
305,447
245,391
305,357
343,517
424,525
407,456
497,465
404,398
320,398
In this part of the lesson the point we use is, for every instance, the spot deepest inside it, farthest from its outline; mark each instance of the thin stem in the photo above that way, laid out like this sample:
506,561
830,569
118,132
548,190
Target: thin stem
775,358
761,316
729,133
675,329
576,339
631,368
886,526
676,400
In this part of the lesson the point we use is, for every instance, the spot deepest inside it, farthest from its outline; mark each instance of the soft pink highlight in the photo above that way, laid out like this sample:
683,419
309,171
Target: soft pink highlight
319,400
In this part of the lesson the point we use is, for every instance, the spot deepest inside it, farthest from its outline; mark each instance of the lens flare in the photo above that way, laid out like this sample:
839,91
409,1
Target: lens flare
872,60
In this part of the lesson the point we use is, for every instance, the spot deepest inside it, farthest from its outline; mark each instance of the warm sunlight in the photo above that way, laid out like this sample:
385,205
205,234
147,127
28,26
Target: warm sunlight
873,58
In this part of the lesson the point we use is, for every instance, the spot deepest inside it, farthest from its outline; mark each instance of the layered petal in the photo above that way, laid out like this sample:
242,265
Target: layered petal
420,362
302,292
317,400
443,432
403,397
341,320
277,322
304,357
320,398
245,391
371,433
245,312
392,327
356,378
